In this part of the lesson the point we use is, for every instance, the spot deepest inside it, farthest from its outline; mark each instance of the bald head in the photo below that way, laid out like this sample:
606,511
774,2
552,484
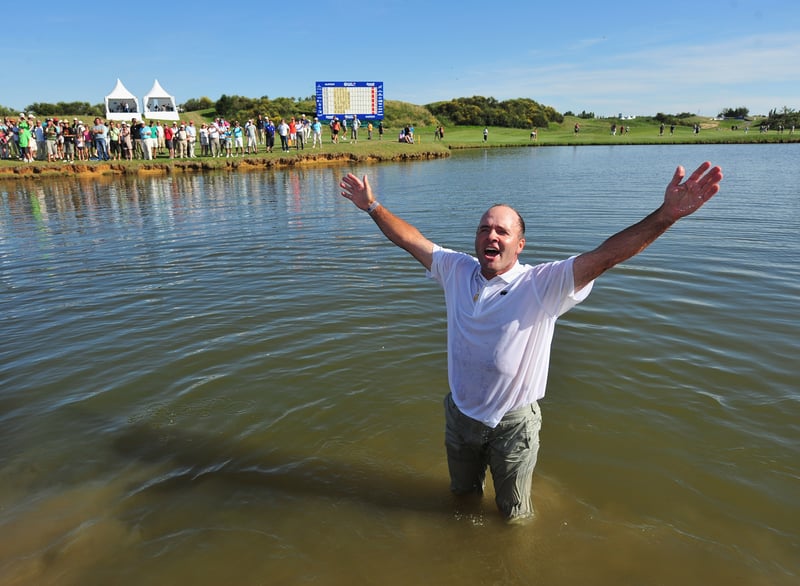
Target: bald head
519,221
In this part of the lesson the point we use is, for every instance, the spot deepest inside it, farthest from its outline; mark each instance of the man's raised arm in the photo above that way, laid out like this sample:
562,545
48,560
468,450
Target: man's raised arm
394,228
680,199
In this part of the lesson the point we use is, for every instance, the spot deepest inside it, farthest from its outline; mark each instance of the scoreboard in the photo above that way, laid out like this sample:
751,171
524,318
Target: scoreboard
345,99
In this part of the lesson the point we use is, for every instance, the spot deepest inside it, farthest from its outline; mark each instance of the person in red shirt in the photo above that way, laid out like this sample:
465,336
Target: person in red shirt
168,140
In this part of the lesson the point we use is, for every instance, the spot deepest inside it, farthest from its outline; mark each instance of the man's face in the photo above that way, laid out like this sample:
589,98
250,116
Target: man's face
498,241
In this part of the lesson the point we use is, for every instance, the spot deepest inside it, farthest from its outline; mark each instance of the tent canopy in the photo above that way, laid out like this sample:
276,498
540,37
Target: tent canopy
159,105
121,104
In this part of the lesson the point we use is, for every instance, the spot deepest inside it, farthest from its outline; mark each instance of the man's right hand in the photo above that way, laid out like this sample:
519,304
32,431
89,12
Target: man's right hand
397,230
357,190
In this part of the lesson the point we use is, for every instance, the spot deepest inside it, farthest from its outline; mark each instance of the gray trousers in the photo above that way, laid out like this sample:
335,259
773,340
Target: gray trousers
509,451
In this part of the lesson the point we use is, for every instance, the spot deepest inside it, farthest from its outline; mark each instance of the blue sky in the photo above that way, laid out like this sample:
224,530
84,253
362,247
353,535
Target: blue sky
636,58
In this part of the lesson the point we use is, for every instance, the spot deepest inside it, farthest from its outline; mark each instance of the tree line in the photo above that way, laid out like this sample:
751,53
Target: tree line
481,111
472,111
786,116
46,109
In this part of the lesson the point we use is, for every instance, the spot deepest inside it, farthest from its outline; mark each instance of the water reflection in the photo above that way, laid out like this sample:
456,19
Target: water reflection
61,205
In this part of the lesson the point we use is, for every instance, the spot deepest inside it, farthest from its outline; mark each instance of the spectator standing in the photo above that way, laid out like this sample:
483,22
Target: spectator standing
136,138
154,139
300,133
204,152
251,134
69,142
182,141
13,139
41,142
126,142
292,131
60,140
24,138
144,134
91,147
100,135
214,138
335,128
191,139
169,141
161,141
283,133
3,140
113,140
261,129
80,140
227,138
33,147
269,134
316,133
238,139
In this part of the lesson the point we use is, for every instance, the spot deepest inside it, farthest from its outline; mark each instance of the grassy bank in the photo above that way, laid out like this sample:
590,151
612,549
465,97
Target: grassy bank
365,151
598,132
641,131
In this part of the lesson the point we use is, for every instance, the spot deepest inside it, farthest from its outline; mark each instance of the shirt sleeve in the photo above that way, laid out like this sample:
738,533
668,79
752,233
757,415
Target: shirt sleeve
445,261
556,286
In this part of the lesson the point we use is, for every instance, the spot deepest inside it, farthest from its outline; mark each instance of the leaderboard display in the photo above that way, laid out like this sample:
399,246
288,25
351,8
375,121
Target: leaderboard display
345,99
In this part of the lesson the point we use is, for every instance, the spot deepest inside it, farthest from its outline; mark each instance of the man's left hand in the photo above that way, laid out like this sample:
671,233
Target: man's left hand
682,199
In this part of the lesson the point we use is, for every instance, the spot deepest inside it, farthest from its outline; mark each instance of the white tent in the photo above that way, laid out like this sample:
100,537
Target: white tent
121,104
159,105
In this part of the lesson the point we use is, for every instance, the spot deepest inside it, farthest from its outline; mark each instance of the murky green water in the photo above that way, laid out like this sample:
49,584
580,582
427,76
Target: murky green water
229,379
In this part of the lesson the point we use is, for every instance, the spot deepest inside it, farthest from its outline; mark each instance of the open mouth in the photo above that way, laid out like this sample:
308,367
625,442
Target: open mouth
491,252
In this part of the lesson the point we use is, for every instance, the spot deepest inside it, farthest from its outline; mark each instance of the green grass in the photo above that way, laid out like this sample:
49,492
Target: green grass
388,149
598,132
643,131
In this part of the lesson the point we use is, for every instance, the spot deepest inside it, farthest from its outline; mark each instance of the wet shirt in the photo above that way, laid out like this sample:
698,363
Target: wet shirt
499,331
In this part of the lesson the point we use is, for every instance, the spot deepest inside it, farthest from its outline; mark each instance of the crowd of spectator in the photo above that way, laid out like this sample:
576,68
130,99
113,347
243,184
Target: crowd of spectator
29,139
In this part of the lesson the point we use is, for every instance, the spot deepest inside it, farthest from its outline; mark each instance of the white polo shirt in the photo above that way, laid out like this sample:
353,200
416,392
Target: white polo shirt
499,332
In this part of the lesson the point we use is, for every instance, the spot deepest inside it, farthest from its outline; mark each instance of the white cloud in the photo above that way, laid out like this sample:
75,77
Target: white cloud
758,72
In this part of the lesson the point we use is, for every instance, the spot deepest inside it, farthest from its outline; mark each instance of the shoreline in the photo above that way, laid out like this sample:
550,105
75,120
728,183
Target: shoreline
83,169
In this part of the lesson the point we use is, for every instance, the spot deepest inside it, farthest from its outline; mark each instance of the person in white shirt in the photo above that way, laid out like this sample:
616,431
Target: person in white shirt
191,140
251,132
213,138
501,316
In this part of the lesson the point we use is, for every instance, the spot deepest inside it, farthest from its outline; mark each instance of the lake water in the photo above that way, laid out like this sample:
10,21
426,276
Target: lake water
234,379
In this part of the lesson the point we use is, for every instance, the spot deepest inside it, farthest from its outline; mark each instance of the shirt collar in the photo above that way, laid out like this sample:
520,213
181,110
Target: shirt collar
511,274
508,277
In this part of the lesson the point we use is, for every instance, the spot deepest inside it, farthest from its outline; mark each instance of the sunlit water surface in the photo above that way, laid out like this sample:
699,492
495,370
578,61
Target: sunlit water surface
234,379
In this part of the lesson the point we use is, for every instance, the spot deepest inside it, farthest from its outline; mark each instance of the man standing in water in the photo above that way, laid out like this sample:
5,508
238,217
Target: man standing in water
501,315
